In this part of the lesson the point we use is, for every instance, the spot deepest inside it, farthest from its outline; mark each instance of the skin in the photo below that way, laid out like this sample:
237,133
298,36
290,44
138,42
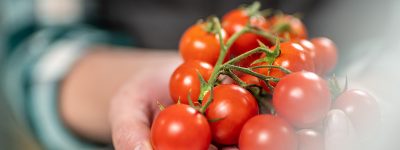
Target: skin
110,96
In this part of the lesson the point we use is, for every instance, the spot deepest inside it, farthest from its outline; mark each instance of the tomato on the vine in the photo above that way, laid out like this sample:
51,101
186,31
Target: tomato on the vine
309,139
362,110
249,79
185,80
232,106
180,126
325,55
302,98
309,48
267,132
288,25
199,44
236,20
292,57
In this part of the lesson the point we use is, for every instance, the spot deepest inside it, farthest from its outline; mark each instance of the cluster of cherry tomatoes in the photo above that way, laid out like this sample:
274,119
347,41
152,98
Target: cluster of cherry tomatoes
255,82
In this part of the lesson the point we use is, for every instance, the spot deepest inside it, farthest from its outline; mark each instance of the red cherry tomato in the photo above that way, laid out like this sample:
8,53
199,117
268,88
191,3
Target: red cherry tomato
292,57
309,48
198,44
180,126
295,29
310,140
235,21
185,79
249,79
302,98
362,110
234,105
325,55
267,132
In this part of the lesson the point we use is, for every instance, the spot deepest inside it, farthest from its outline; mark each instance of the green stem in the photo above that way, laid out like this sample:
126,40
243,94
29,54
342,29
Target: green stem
251,72
253,8
235,78
267,35
224,48
209,100
247,54
281,28
236,35
287,71
218,65
222,54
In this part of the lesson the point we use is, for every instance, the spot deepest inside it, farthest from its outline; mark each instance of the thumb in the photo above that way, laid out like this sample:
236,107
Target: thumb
131,135
130,121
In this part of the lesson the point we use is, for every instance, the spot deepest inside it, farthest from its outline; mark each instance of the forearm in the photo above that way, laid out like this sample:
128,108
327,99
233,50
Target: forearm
88,88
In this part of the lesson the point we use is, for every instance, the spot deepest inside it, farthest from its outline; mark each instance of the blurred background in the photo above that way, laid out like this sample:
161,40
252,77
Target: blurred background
365,31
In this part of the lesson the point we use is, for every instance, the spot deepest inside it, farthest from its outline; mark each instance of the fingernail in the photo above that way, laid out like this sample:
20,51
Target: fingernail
143,146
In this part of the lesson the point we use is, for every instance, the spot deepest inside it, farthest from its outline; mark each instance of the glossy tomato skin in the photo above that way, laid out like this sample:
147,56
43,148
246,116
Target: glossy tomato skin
309,48
264,132
309,139
236,20
362,110
235,105
326,55
292,57
198,44
297,30
180,127
302,98
249,79
185,80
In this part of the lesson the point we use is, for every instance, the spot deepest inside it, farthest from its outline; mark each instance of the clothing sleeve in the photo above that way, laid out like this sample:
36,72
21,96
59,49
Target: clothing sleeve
35,55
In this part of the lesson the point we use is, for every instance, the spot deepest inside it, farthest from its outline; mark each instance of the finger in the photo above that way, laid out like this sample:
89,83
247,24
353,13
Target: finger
133,107
129,117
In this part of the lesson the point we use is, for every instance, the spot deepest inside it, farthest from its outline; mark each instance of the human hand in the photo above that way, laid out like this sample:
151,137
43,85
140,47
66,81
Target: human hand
134,106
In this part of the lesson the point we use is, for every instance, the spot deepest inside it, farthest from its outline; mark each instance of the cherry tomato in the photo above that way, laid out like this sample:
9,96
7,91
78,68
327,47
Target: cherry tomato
234,105
292,57
339,132
185,80
325,55
267,132
198,44
362,110
302,98
310,140
249,79
236,20
180,126
309,48
289,25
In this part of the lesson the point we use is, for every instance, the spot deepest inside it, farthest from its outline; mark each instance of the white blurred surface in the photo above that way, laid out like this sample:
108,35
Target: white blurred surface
367,34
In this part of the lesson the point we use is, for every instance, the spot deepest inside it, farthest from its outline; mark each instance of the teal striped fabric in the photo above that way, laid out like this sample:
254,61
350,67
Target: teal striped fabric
34,58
